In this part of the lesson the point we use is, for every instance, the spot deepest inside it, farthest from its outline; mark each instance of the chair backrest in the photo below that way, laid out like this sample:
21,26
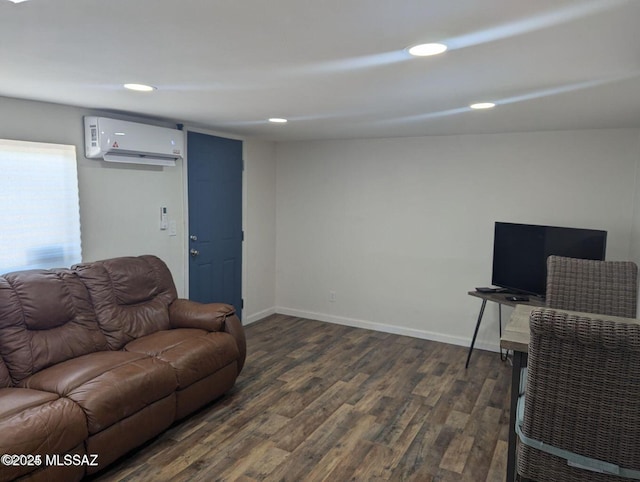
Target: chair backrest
583,394
604,287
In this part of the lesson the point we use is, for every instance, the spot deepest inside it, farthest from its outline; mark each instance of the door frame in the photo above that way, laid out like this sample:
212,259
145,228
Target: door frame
185,190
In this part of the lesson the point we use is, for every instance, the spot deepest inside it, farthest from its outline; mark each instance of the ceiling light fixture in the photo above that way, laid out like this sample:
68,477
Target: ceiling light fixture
425,50
17,1
483,105
278,120
139,87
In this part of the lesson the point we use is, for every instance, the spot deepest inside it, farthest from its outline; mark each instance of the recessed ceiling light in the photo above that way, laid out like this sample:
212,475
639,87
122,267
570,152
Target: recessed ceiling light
139,87
424,50
483,105
17,1
278,120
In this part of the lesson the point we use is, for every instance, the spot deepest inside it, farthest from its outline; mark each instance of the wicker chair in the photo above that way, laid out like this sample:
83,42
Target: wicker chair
604,287
583,381
582,395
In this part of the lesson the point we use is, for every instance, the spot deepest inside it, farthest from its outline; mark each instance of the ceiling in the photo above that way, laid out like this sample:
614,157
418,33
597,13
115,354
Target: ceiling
334,68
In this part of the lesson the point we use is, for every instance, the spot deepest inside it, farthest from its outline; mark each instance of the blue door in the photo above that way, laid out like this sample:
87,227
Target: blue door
215,219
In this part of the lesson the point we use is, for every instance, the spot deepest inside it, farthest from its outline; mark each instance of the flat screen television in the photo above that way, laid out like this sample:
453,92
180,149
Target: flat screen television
520,253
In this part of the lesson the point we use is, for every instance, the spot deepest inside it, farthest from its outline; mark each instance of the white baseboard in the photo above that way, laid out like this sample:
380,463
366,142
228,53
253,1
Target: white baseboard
259,315
396,330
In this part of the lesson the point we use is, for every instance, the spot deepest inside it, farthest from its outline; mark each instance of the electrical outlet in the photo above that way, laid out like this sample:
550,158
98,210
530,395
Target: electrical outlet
332,296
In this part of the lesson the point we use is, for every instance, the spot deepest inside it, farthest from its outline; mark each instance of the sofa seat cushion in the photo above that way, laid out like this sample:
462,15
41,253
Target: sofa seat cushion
37,423
109,386
193,353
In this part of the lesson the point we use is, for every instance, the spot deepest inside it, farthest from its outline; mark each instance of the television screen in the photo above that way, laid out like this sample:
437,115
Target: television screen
520,253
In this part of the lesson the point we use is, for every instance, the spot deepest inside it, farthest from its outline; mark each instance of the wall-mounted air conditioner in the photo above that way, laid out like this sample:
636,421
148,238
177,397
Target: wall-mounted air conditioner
121,141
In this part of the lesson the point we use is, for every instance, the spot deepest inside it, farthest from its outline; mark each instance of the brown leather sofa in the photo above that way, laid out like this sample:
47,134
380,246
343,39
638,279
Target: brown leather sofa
97,359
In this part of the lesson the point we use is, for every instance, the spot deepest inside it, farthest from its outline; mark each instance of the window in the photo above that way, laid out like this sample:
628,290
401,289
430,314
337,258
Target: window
39,206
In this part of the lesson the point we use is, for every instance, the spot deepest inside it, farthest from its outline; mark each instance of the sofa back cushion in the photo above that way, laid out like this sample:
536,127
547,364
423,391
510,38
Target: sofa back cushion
46,317
131,296
5,379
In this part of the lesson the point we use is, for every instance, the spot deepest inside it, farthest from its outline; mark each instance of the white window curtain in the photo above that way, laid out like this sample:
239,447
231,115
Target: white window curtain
39,206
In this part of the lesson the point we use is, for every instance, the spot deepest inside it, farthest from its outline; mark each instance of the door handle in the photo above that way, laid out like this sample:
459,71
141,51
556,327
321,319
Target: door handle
194,252
193,237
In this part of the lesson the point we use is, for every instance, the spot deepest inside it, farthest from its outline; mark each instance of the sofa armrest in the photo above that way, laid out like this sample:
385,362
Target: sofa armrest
191,314
211,317
233,326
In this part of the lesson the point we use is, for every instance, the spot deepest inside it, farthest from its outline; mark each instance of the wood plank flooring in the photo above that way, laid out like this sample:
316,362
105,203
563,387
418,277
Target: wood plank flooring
324,402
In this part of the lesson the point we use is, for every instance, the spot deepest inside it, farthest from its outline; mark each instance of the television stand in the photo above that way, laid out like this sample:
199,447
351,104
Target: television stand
502,299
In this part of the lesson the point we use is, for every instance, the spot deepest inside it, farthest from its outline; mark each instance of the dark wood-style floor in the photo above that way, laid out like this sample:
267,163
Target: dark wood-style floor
318,401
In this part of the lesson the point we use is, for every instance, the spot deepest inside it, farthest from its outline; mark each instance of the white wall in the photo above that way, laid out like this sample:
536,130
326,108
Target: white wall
635,235
259,264
120,204
401,229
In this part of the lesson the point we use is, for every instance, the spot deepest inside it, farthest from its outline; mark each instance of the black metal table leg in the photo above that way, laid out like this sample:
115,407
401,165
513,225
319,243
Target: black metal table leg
475,333
506,353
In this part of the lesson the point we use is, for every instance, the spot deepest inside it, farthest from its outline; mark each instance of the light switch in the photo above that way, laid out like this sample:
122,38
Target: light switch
173,228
